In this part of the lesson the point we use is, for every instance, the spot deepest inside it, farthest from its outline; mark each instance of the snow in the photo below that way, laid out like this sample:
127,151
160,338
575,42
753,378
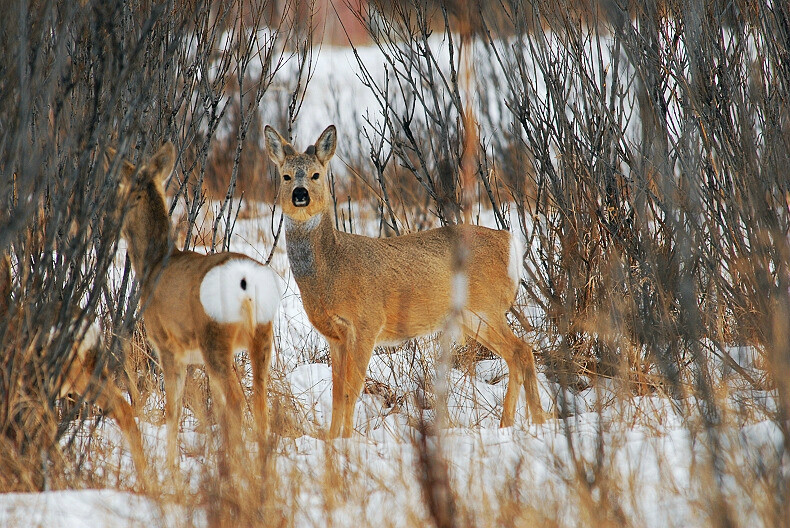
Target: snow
311,386
651,451
86,509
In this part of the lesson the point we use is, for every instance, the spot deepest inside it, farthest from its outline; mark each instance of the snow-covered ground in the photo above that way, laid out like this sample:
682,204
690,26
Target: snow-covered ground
645,443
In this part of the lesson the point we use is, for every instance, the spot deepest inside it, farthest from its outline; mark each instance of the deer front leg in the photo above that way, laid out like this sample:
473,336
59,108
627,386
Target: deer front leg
338,355
356,366
114,404
350,354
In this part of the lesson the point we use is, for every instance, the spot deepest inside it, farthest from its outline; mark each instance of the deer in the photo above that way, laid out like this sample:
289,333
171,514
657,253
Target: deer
78,380
198,309
77,377
360,292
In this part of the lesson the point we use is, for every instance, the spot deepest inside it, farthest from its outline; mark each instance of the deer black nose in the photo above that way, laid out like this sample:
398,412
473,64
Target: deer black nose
300,197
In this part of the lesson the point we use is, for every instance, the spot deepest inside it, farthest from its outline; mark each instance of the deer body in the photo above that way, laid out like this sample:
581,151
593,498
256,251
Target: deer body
360,292
423,293
198,308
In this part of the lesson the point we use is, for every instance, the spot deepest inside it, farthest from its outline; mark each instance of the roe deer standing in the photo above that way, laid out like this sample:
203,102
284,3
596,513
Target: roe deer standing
360,291
198,309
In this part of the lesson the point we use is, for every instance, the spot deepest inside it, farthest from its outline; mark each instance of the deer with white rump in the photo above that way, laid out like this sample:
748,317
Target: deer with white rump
198,309
360,292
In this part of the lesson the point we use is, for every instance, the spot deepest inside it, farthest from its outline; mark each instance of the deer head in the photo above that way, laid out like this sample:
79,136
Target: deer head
304,192
146,225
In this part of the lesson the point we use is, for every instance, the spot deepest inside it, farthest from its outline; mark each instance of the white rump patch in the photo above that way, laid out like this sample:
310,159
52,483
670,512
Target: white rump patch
225,288
515,261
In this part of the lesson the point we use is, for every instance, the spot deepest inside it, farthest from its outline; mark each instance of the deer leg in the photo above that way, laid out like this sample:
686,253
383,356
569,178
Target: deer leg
137,394
175,377
514,382
531,385
525,359
225,388
260,356
484,334
337,352
500,339
356,366
114,404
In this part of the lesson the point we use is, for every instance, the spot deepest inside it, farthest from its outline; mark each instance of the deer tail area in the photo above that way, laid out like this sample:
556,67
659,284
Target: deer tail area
241,291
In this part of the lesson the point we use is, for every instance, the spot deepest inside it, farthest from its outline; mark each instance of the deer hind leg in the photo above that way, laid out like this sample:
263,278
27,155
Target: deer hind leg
260,356
114,404
496,335
174,373
530,379
483,333
225,387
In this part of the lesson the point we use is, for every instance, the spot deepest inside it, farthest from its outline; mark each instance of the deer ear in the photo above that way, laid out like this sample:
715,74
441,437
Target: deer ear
161,165
325,146
276,145
127,169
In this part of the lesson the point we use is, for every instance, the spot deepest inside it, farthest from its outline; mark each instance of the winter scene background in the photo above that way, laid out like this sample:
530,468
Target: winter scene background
638,150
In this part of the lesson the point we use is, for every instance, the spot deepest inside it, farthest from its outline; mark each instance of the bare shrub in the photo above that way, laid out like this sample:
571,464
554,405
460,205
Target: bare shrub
79,78
642,144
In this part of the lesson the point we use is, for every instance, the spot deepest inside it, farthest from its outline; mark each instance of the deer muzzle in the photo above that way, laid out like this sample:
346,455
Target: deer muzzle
300,197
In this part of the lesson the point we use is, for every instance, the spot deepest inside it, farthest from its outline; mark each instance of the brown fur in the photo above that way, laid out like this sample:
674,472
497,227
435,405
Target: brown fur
176,323
360,291
78,380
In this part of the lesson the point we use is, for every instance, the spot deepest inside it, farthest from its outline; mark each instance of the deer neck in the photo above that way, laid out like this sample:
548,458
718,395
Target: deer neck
149,244
308,242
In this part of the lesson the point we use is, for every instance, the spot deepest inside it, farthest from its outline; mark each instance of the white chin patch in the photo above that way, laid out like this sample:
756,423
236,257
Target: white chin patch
225,289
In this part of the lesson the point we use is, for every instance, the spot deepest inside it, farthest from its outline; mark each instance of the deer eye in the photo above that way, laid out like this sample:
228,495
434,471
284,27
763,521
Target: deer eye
315,176
287,177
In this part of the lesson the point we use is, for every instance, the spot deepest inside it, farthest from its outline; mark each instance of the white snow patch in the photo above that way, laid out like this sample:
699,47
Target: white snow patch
491,370
226,287
312,387
514,263
87,508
